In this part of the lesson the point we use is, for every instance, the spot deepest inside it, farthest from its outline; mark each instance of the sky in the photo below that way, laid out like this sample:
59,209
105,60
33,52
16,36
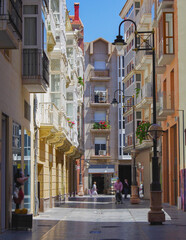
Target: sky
100,17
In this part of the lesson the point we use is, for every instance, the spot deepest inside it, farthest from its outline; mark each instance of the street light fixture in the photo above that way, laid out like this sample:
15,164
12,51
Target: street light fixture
155,215
134,199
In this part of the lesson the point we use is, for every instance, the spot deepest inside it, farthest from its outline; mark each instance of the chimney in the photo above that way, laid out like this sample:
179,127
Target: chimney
76,10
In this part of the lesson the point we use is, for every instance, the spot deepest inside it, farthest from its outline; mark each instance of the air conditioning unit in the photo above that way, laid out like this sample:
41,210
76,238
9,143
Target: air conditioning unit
102,152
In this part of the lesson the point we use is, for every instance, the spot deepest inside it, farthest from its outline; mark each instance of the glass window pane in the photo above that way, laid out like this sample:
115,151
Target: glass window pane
30,31
169,24
69,109
30,9
55,83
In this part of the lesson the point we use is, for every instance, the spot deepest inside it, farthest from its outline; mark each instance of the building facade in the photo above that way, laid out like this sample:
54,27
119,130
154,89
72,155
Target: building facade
137,81
101,122
41,104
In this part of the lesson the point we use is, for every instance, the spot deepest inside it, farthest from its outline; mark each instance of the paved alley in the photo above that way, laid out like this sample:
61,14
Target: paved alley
100,219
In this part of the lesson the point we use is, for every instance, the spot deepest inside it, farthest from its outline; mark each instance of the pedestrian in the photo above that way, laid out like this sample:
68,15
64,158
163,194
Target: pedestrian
126,188
118,187
94,189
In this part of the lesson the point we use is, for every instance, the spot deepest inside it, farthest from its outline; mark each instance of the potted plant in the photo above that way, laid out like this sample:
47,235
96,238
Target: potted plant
71,123
142,131
101,125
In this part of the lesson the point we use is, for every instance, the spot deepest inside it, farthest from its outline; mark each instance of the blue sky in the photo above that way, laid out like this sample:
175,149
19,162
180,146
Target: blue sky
100,17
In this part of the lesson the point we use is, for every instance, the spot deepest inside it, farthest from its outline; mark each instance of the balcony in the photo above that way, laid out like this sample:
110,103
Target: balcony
10,23
144,15
35,70
145,96
100,154
51,36
166,53
100,75
100,99
49,118
100,127
143,58
165,6
166,105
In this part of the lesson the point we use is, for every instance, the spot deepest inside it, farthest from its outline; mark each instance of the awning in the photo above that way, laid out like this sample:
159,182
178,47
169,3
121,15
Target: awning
101,169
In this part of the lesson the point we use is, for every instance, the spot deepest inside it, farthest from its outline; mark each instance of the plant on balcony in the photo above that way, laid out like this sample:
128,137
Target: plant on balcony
70,123
142,131
101,125
137,92
80,81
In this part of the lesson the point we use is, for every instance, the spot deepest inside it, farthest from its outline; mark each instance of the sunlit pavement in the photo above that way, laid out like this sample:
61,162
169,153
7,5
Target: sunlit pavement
100,218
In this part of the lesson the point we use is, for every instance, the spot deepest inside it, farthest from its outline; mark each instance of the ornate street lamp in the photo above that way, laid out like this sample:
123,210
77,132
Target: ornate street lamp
155,215
134,199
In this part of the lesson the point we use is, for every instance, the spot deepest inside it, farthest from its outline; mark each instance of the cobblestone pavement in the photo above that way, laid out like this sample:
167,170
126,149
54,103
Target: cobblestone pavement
101,219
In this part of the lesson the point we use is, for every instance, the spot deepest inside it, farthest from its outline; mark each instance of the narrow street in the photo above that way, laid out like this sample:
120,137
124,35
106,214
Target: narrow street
101,219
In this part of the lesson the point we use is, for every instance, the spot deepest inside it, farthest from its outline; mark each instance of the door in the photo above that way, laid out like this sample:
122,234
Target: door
3,172
125,173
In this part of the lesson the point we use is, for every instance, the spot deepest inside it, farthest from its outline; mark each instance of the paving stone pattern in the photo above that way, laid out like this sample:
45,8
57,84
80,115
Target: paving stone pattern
101,219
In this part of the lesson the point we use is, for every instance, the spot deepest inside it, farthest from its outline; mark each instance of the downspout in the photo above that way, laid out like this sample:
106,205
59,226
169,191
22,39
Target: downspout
36,201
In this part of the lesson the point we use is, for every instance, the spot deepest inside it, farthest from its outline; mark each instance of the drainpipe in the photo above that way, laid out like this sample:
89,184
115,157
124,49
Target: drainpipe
36,200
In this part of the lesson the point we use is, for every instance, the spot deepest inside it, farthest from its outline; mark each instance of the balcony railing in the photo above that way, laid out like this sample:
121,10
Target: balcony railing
100,97
141,58
35,67
144,10
11,12
101,74
166,105
146,92
49,115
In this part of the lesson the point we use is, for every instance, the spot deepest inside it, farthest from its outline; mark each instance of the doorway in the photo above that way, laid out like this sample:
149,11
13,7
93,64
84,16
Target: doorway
3,171
125,173
99,179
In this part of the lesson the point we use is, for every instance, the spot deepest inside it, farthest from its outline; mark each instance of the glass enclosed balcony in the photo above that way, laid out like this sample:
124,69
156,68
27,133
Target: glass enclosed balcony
35,70
10,23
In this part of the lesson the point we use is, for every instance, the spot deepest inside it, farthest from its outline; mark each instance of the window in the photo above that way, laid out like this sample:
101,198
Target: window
30,9
100,65
69,109
69,96
138,77
30,31
138,115
99,116
55,83
100,144
169,33
166,34
137,4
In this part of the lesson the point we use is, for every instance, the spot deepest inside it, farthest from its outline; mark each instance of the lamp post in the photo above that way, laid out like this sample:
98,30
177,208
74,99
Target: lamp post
134,199
155,215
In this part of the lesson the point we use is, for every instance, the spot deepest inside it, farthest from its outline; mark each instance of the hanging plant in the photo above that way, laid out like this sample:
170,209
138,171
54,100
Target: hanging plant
142,131
80,81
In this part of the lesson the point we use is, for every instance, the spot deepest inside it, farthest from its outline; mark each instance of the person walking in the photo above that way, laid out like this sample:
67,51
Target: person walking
118,187
94,189
126,188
